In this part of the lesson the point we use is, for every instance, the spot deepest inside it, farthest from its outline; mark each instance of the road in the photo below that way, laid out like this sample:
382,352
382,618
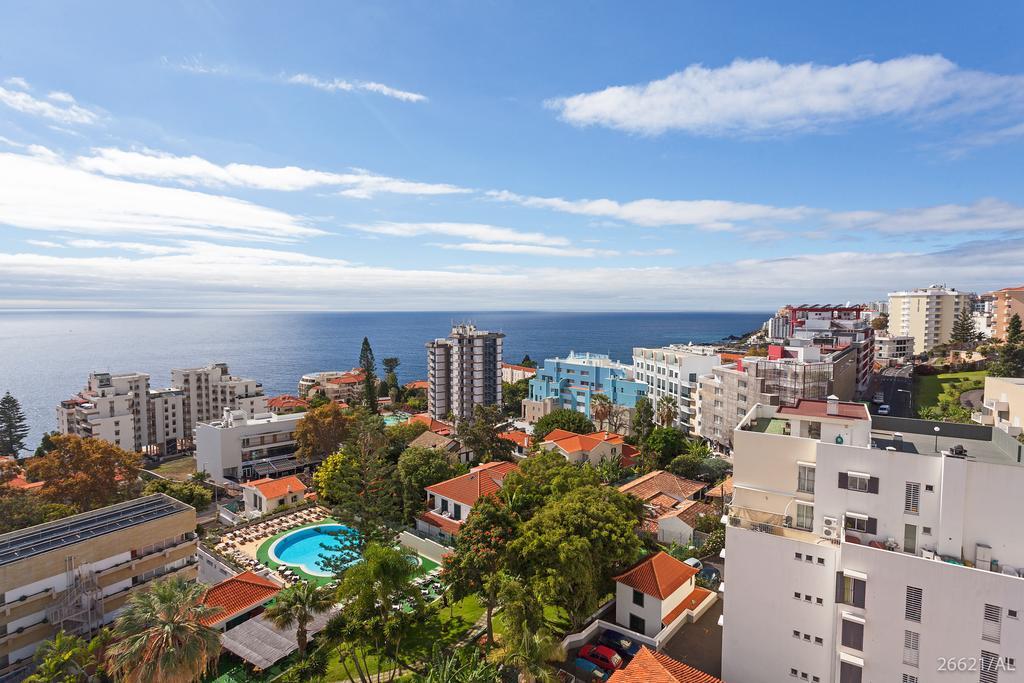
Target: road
896,384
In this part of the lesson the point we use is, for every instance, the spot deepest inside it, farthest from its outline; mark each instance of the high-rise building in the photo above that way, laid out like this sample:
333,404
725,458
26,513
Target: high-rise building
926,314
865,548
573,381
674,371
830,328
1006,303
463,371
211,389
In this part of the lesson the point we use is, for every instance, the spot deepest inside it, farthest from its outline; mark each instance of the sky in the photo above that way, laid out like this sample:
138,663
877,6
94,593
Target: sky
500,156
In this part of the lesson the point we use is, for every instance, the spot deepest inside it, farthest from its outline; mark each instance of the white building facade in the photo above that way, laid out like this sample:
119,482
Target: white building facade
675,371
239,448
926,314
893,349
212,389
463,371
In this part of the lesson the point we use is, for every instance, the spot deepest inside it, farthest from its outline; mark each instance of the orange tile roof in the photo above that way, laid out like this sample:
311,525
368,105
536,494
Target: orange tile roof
275,488
691,602
20,482
657,667
418,384
724,488
556,434
449,526
521,439
576,443
436,426
350,377
659,575
691,511
482,480
611,437
287,401
523,368
660,482
237,595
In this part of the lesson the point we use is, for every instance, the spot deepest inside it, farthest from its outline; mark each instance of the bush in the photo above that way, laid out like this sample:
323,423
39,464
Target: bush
190,493
713,544
562,418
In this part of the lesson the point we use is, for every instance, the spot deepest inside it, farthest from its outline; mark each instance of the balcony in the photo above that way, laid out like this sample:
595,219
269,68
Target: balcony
771,523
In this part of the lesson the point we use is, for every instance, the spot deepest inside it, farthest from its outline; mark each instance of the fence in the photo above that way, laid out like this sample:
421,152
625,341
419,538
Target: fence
424,546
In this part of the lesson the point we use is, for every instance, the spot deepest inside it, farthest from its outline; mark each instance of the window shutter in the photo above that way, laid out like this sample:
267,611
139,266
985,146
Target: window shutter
839,587
848,673
872,525
911,648
853,635
912,610
859,591
989,666
991,626
844,480
912,498
873,485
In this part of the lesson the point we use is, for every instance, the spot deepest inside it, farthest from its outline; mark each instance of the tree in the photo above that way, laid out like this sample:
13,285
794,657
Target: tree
190,493
462,665
1014,333
667,443
160,636
480,555
562,418
321,432
13,426
512,396
541,478
317,400
880,322
20,509
313,668
668,410
713,469
297,606
401,435
643,419
200,476
45,444
528,362
699,448
601,409
618,419
687,466
390,372
964,334
369,368
418,468
86,473
64,659
530,652
480,434
610,470
1009,362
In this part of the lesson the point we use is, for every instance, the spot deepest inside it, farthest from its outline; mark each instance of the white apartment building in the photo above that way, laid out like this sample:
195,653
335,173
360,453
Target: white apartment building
872,549
893,348
463,371
238,447
122,409
675,371
211,389
926,314
1003,405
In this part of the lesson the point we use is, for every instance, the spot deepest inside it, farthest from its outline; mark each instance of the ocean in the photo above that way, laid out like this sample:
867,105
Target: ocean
47,356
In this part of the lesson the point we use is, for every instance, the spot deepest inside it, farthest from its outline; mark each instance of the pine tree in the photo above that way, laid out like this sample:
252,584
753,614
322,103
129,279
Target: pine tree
369,367
964,333
1014,335
13,426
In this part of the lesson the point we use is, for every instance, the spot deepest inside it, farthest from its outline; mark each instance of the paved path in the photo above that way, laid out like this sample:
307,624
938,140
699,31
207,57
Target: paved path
973,398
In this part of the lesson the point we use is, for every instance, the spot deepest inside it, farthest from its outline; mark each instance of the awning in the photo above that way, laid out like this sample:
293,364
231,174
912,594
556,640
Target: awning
262,644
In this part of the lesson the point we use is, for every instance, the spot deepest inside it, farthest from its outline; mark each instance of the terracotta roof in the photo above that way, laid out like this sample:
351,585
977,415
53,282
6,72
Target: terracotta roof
275,488
433,425
659,575
576,443
449,526
657,667
521,439
523,368
556,434
287,401
813,408
611,437
20,482
660,482
691,511
237,595
482,480
429,439
662,500
350,377
417,384
691,602
725,487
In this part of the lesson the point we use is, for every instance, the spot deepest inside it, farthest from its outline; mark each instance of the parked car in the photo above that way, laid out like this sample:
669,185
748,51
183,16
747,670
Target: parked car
602,655
591,671
878,398
711,575
620,643
694,562
883,409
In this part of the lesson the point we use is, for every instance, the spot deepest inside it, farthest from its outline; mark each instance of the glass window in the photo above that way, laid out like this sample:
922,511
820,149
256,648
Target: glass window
805,479
638,598
804,516
856,482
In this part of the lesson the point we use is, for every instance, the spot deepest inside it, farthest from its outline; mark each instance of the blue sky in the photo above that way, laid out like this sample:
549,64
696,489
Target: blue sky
484,155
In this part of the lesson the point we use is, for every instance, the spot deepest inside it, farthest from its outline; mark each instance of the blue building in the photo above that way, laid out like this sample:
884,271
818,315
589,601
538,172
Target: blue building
572,382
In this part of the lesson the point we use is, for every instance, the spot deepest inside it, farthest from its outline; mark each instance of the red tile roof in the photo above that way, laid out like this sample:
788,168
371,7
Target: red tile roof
806,407
286,402
238,595
691,512
482,480
690,602
556,434
660,482
20,482
659,575
418,384
275,488
449,526
521,439
350,377
522,368
724,488
436,426
657,667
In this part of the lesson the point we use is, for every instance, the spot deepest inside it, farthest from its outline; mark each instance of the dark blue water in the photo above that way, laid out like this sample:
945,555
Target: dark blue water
45,357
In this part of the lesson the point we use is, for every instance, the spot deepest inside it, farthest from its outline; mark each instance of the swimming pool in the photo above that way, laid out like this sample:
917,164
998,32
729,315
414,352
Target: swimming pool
304,548
397,417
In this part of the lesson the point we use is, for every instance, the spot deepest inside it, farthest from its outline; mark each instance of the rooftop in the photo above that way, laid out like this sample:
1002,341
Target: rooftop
660,482
238,595
482,480
817,408
659,575
657,667
43,538
275,488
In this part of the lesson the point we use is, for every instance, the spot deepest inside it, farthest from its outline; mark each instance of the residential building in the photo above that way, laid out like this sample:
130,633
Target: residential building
520,439
512,373
787,374
238,447
1006,303
593,448
122,409
75,574
212,389
865,548
573,382
337,385
671,508
437,426
238,599
263,496
464,371
722,493
1003,405
674,371
926,314
657,593
450,502
651,666
443,442
834,327
893,349
286,403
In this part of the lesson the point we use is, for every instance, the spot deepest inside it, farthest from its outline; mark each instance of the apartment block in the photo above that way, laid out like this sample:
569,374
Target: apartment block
865,548
211,389
336,385
1006,303
926,314
572,382
675,371
122,409
513,373
893,349
463,371
1003,405
833,327
238,447
77,573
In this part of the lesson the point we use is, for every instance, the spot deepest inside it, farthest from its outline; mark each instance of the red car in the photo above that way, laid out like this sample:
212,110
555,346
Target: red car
602,655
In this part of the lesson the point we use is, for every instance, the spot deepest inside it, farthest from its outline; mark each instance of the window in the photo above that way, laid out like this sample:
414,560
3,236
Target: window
638,598
804,516
637,624
860,523
792,672
818,640
911,648
912,608
1012,613
926,531
991,626
912,498
458,512
850,591
909,678
858,483
805,479
796,634
853,634
929,488
819,601
821,561
798,556
850,673
796,596
989,667
444,505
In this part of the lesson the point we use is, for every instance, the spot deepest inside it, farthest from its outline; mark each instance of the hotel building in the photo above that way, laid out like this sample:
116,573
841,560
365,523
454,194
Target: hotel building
463,371
1006,303
926,314
573,381
211,389
675,371
238,447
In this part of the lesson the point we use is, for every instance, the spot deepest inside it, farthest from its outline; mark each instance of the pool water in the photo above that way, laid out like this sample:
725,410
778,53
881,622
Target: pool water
397,417
304,548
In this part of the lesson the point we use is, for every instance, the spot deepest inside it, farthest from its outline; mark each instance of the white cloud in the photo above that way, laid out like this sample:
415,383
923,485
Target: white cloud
528,249
194,170
668,251
43,194
140,247
474,231
985,215
62,108
341,85
18,82
762,96
46,244
196,65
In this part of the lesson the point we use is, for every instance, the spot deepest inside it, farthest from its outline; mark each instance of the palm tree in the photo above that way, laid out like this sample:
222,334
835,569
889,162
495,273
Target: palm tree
529,651
668,410
464,665
698,448
601,409
296,606
160,635
65,659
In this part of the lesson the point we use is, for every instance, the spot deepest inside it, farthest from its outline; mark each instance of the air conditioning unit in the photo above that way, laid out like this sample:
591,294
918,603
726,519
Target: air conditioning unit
830,532
830,522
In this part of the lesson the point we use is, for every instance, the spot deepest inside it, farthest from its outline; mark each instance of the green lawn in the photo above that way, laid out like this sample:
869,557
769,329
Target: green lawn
179,470
928,387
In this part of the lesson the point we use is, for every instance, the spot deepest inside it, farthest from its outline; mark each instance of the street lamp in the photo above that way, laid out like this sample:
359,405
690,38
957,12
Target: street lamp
936,439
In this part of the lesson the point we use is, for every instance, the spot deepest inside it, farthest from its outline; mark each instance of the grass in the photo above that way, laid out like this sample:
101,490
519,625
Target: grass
928,387
179,470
